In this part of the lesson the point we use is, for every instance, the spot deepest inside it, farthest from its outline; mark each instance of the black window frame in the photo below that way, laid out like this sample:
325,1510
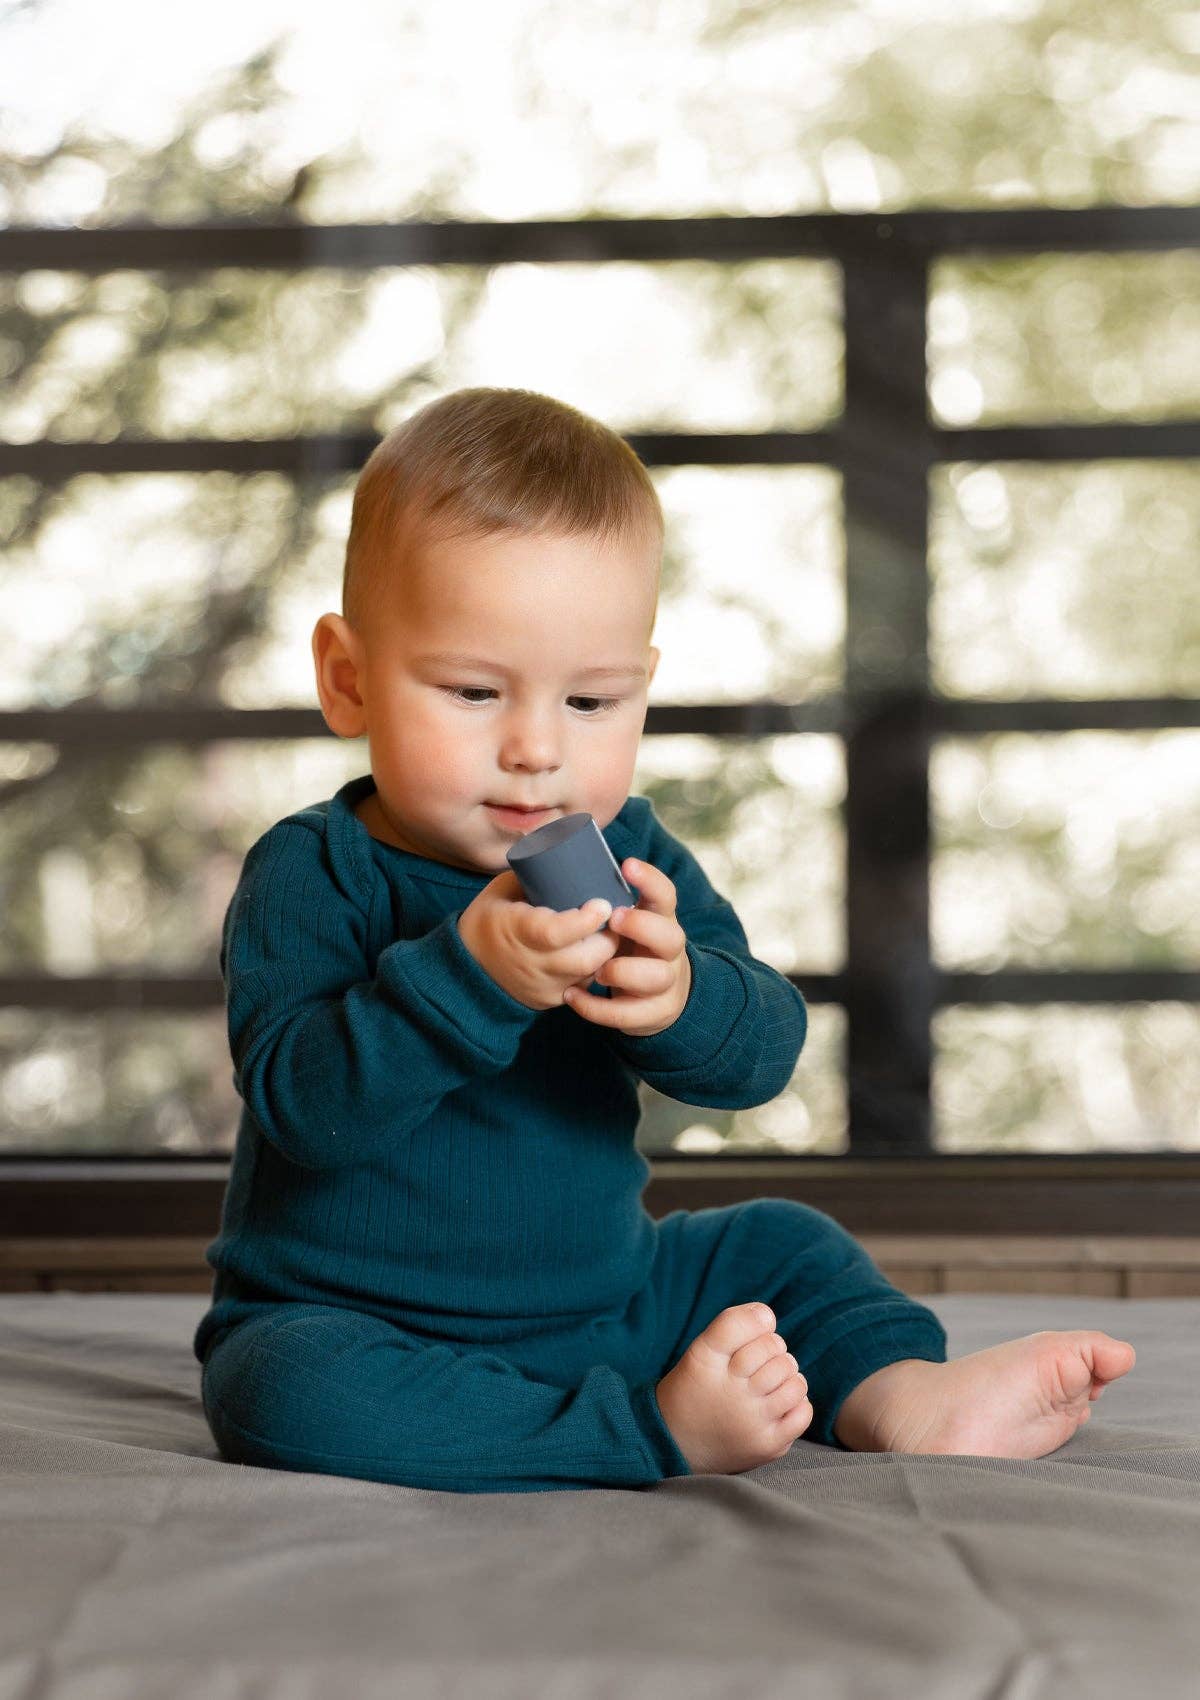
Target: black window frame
884,446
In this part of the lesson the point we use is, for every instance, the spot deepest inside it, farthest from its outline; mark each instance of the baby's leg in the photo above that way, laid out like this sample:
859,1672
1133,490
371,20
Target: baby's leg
838,1314
341,1392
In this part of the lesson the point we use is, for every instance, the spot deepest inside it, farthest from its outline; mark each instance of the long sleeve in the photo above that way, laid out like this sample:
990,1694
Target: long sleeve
736,1041
335,1064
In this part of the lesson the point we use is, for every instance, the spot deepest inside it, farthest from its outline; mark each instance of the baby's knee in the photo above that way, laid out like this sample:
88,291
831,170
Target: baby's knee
289,1382
793,1223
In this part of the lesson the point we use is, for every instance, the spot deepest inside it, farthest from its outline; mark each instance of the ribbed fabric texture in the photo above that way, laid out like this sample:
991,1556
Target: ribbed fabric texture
413,1140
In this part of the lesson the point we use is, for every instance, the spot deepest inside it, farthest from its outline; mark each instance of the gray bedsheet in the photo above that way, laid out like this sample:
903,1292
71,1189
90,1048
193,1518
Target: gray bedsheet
136,1563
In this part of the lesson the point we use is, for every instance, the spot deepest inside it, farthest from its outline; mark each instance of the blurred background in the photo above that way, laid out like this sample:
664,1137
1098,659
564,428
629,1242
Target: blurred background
159,713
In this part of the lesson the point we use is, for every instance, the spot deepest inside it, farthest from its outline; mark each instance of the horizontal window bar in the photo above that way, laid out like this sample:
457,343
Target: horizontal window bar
1155,1193
161,992
1173,439
1066,985
110,728
299,457
333,454
330,456
115,728
1148,1193
87,993
927,231
1059,714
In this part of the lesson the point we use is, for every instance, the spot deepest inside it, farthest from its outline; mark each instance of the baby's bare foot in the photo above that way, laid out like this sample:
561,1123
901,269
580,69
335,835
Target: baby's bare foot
735,1399
1021,1399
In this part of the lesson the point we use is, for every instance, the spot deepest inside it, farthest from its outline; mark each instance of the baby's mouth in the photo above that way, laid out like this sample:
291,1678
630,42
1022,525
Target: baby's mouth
509,813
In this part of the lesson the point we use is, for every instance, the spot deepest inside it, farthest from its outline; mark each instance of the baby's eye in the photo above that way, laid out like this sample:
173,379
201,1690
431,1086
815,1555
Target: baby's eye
601,704
465,692
471,694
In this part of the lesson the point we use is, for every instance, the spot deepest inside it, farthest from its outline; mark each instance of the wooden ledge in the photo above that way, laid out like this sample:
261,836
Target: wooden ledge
1118,1266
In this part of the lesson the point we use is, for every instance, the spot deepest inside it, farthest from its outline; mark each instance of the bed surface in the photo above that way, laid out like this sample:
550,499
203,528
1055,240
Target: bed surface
137,1563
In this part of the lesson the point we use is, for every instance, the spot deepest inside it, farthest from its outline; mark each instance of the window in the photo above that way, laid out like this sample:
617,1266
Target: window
986,898
935,471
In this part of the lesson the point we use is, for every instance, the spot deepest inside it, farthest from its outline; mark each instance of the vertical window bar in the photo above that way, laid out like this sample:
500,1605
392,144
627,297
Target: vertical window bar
887,451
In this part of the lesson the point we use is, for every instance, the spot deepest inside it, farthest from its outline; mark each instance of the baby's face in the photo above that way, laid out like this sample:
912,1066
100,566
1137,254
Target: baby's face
531,720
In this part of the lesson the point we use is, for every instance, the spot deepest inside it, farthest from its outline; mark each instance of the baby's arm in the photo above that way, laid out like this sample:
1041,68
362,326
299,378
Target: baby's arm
333,1064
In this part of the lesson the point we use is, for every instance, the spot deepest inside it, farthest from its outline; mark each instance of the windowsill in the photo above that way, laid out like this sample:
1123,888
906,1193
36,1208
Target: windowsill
1152,1194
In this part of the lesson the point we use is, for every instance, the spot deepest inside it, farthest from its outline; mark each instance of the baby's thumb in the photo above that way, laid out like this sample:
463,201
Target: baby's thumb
506,887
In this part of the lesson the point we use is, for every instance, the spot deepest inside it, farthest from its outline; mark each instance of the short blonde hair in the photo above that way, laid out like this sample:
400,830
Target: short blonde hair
483,461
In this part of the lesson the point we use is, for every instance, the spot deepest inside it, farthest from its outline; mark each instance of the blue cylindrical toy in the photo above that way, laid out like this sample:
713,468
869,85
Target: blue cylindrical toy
566,863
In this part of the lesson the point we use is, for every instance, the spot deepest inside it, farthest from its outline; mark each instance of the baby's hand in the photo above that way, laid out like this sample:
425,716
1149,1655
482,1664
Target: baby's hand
535,953
652,980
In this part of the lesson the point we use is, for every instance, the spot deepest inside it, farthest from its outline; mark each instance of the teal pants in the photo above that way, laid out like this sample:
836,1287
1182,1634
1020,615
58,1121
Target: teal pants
338,1391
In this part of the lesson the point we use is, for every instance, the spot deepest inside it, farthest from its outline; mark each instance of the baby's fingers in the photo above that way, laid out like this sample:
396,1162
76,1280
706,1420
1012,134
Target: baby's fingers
586,957
553,929
582,923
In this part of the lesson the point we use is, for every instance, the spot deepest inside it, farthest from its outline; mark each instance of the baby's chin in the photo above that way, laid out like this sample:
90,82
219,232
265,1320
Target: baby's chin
484,860
473,861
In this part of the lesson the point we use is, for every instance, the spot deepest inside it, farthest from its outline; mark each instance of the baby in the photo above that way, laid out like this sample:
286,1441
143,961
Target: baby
434,1264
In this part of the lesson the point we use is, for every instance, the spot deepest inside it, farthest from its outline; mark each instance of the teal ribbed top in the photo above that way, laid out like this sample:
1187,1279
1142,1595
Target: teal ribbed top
415,1142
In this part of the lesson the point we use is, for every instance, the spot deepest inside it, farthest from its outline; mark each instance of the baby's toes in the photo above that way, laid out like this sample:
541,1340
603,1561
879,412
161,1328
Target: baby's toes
756,1353
774,1373
788,1397
1074,1373
1082,1363
1111,1359
1116,1358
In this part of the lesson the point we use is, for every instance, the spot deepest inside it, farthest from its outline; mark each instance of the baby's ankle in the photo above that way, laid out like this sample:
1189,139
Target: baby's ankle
866,1419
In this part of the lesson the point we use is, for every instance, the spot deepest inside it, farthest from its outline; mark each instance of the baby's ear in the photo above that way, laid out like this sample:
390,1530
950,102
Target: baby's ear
337,657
